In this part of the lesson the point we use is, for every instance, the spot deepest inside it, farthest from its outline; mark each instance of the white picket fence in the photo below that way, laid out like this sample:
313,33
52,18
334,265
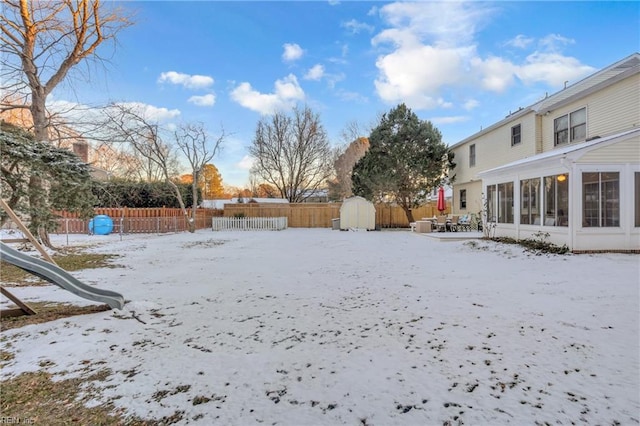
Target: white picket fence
249,223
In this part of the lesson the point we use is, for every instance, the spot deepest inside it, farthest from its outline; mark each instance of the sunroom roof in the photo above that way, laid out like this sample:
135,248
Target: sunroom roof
559,152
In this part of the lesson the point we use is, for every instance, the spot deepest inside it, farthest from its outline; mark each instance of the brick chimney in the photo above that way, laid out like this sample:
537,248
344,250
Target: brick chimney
81,149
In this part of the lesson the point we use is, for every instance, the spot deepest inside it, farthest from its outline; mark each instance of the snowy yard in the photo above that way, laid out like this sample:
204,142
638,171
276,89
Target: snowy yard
321,327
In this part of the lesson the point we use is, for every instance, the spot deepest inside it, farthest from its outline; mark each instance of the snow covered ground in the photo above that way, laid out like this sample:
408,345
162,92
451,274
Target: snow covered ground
321,327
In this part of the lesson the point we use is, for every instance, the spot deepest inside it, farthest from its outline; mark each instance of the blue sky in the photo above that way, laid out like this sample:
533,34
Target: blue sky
461,65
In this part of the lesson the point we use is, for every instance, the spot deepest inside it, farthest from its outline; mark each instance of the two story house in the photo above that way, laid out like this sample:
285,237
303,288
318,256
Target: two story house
567,166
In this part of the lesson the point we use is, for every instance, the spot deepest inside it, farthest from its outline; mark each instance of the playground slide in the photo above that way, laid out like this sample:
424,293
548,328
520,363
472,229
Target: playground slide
60,277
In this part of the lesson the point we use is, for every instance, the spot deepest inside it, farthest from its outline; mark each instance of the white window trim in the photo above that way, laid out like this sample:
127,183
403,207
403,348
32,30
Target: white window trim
511,135
568,115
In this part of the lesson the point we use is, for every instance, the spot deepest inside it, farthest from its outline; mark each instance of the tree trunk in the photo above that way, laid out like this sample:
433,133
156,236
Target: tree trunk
190,223
194,205
409,213
40,126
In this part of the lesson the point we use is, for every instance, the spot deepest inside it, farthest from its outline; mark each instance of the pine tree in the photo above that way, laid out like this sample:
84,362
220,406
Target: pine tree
66,180
405,161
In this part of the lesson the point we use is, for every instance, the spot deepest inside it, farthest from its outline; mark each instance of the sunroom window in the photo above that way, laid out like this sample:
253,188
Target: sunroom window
529,202
556,200
600,199
500,203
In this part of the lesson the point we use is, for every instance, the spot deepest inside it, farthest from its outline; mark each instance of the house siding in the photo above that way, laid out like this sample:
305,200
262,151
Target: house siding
474,198
611,110
620,153
612,143
493,149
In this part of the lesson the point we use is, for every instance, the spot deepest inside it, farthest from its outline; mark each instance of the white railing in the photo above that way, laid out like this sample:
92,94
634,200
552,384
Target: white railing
249,223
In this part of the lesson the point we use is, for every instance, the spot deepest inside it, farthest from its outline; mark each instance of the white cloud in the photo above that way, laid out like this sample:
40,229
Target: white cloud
429,49
316,72
186,80
470,104
520,41
352,96
291,52
449,120
334,2
205,100
287,92
554,42
150,112
432,46
552,68
415,75
246,163
495,74
355,27
447,23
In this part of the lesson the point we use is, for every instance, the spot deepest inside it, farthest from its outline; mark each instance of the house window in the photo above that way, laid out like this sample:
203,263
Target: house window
637,199
529,202
578,123
463,199
500,203
600,199
515,135
570,127
556,200
472,155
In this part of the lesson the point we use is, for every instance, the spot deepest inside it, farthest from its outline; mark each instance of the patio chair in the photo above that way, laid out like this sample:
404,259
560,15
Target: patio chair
441,223
464,223
453,224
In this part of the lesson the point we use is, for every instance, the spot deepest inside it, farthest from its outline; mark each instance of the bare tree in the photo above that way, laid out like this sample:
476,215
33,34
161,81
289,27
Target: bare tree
116,161
128,124
292,153
40,43
194,142
340,185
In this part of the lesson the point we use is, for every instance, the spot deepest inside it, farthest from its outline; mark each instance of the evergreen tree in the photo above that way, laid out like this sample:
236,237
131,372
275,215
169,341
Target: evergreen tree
66,181
405,161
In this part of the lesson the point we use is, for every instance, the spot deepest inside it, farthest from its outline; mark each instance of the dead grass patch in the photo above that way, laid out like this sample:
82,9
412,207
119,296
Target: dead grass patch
12,276
49,311
35,398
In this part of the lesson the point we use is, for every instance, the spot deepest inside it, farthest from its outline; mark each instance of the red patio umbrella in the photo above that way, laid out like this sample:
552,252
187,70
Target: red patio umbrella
442,204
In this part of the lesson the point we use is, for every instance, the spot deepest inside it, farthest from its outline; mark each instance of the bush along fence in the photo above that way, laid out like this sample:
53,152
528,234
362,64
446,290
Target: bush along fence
249,223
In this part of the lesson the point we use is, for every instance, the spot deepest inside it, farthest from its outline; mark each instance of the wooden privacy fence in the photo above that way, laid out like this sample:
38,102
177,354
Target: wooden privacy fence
319,215
249,223
132,221
303,215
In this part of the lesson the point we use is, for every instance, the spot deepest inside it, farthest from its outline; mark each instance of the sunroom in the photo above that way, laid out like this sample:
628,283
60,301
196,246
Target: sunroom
586,195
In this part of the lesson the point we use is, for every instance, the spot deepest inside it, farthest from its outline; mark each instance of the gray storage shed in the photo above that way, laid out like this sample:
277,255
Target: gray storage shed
357,213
